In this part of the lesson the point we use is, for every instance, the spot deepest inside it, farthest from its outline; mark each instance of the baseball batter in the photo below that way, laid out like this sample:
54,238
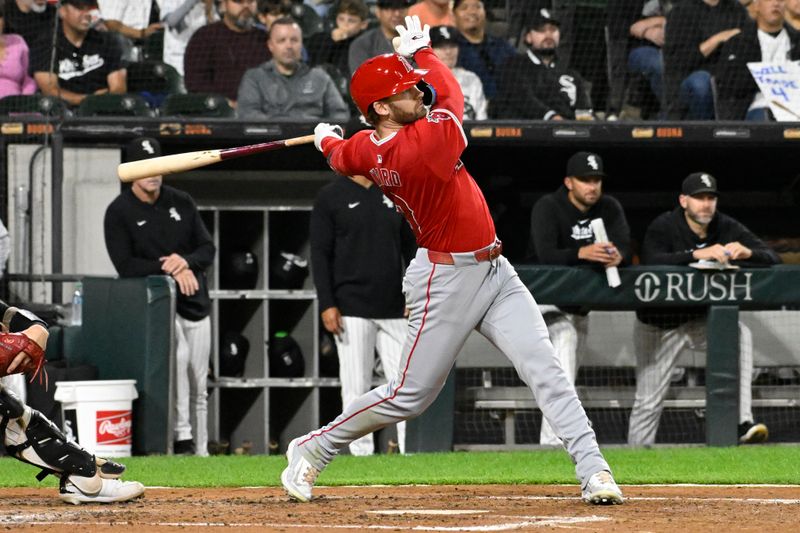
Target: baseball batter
458,281
30,437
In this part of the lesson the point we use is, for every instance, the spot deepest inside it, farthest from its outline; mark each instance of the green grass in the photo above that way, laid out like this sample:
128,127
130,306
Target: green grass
757,464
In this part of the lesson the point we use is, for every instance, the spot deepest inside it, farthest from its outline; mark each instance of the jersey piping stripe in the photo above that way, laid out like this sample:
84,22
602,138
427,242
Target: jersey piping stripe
405,370
407,209
381,141
455,119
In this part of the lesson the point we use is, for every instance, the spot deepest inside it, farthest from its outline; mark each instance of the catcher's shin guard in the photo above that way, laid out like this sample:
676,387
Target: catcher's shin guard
10,406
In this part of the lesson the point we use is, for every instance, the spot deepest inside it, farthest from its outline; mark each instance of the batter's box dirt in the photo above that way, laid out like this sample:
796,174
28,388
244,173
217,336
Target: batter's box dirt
414,508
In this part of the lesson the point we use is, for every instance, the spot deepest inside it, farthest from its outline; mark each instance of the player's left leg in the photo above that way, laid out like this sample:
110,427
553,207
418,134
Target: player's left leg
389,343
182,433
198,340
514,324
564,337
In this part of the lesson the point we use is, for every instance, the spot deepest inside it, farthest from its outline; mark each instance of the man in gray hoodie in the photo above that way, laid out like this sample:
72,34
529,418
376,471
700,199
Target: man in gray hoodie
285,88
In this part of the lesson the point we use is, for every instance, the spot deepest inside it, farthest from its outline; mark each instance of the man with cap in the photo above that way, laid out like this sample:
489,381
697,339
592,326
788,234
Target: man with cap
153,229
86,61
444,42
535,85
561,234
390,14
693,231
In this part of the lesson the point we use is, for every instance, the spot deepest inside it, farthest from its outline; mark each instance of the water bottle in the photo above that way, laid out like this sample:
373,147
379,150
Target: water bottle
77,305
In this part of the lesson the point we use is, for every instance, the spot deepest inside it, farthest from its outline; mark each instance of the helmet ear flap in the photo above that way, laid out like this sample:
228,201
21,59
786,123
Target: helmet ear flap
428,93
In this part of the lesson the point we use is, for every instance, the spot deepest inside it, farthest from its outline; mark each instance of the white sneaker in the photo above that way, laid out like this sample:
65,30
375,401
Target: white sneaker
601,489
113,490
299,476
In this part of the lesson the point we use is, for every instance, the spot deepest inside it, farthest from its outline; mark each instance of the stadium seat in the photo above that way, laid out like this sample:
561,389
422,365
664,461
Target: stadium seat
197,105
114,105
34,104
154,80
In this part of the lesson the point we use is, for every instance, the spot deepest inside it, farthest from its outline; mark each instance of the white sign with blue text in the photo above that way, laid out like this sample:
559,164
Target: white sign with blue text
780,85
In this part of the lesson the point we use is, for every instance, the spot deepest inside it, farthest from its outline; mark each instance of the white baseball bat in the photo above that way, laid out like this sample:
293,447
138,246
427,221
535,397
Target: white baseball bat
600,235
170,164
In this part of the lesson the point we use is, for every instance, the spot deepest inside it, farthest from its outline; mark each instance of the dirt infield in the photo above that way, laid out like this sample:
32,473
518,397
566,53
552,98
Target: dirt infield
417,508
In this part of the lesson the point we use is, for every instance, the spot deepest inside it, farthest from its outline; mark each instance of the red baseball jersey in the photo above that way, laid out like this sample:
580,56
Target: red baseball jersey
420,170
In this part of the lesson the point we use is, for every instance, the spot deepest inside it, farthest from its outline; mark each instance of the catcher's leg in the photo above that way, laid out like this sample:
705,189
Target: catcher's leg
30,437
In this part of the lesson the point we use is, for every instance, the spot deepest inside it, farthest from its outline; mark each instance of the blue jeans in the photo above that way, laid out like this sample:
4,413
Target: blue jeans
695,95
646,60
759,114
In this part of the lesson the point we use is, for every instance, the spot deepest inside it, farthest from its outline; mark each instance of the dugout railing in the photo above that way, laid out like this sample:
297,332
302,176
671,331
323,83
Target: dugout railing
724,294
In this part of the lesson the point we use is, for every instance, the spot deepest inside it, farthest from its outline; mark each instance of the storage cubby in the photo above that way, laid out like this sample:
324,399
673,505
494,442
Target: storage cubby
251,304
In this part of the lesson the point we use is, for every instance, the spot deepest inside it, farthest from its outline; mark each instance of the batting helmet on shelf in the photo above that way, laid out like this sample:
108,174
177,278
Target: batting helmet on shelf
289,271
239,270
285,357
380,77
233,350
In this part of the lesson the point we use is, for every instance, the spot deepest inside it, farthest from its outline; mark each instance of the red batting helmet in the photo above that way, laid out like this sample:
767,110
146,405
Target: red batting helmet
382,76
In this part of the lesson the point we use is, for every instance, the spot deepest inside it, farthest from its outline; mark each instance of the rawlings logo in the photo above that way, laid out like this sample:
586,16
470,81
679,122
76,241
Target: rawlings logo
114,427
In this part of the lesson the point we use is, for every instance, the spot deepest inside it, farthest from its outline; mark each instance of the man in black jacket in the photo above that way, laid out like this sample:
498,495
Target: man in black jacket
153,229
535,85
695,31
360,246
694,231
769,39
561,234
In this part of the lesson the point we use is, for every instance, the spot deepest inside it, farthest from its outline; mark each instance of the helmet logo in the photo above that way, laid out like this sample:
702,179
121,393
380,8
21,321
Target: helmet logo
405,63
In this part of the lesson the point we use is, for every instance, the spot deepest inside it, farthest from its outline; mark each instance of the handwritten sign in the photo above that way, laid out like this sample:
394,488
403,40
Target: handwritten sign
780,85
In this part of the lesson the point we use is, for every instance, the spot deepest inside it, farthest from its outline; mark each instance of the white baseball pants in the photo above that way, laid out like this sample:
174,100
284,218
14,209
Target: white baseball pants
193,350
657,350
447,302
567,333
356,348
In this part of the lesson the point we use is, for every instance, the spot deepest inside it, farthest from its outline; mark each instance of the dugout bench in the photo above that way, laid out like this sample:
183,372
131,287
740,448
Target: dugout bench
612,326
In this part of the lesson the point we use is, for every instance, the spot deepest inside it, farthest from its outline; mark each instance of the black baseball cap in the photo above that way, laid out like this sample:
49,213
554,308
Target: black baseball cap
698,183
443,35
585,165
394,3
542,17
142,148
83,4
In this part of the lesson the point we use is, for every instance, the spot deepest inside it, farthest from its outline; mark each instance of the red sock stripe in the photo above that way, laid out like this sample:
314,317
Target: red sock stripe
402,381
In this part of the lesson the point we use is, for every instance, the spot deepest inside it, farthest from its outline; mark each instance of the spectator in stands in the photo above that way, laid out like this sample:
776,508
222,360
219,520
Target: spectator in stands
767,39
32,19
693,231
218,55
478,51
181,18
444,42
433,12
86,61
285,88
390,13
14,78
268,11
695,32
132,21
561,234
333,47
645,56
535,85
305,16
792,13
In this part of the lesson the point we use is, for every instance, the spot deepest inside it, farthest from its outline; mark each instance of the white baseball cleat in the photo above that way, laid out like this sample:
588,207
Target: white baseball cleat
299,476
601,489
112,490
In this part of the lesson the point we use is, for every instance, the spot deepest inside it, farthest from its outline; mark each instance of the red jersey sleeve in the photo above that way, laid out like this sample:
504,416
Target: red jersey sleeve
336,152
448,91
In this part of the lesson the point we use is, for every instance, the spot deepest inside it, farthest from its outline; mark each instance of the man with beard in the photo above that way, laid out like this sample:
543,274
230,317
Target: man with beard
285,88
458,281
535,86
694,231
561,234
218,55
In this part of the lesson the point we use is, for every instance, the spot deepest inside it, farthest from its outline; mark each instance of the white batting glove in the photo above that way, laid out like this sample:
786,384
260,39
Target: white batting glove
412,37
323,130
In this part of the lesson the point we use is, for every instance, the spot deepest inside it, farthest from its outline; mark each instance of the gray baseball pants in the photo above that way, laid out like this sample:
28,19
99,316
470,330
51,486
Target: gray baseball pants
446,303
